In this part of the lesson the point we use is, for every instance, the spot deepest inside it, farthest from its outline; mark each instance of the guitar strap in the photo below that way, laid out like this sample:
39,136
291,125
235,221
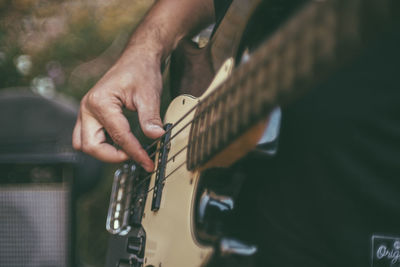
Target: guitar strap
226,39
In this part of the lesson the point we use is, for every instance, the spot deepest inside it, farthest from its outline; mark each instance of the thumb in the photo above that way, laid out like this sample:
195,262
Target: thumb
149,118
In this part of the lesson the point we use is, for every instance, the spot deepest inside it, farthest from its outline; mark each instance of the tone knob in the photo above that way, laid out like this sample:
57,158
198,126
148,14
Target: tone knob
212,214
212,205
231,246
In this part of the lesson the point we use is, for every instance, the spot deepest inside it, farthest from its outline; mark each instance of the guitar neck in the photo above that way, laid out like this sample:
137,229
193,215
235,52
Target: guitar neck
311,45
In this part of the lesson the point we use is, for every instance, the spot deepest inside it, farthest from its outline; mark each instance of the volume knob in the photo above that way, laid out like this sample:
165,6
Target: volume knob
213,211
232,246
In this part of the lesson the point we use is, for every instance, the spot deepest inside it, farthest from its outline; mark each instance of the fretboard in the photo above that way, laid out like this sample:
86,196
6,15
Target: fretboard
317,40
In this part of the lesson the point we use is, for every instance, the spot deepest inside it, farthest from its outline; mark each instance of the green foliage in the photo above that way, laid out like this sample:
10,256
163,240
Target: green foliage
71,33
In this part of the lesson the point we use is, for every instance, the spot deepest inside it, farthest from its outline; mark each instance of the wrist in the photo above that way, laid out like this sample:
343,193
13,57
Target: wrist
150,46
167,23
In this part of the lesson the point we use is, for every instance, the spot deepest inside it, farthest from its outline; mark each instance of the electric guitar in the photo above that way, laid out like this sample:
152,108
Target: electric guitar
162,213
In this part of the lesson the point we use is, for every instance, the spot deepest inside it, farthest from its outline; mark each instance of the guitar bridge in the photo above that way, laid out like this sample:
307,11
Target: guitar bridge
160,172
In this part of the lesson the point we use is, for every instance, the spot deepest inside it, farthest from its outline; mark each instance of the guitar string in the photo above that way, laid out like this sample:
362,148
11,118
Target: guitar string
151,174
196,116
163,180
225,91
166,144
155,142
224,112
170,158
178,132
169,140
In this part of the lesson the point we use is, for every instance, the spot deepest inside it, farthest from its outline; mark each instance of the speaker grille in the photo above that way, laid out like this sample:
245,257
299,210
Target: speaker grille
34,225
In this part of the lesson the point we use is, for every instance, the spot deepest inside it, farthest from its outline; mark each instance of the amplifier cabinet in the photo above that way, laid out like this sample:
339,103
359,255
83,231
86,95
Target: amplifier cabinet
35,215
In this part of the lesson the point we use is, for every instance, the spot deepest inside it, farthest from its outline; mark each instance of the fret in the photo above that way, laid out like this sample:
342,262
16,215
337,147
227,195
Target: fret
212,137
192,152
226,109
260,75
206,144
219,126
190,162
211,127
234,120
205,124
225,129
245,112
246,106
201,151
234,111
233,105
221,113
200,133
216,122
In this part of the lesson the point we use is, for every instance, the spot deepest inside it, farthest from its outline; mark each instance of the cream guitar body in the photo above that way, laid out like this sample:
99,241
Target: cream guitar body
170,240
173,222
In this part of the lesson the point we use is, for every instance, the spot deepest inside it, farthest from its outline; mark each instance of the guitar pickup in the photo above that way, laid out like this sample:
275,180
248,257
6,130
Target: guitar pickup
161,164
120,201
128,197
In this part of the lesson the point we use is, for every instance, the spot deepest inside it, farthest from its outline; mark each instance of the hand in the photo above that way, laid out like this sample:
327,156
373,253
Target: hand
133,82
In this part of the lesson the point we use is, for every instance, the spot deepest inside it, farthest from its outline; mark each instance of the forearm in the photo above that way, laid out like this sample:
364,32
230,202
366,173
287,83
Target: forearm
167,22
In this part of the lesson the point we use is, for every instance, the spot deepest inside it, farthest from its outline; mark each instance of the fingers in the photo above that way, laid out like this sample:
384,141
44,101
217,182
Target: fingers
101,108
88,134
119,130
89,137
93,142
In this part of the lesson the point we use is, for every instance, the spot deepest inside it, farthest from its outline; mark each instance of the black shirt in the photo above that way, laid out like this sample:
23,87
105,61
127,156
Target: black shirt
331,196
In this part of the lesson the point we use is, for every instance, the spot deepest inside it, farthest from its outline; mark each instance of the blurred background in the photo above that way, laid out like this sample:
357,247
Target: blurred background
57,50
63,46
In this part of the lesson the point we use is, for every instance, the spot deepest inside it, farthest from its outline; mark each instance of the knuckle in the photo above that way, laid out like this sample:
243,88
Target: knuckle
119,138
95,100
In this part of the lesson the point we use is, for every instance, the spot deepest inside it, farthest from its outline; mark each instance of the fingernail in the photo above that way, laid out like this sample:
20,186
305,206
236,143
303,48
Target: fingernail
148,167
154,127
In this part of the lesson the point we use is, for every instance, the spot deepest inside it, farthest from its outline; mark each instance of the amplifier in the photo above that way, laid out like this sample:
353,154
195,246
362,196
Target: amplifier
40,178
35,215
